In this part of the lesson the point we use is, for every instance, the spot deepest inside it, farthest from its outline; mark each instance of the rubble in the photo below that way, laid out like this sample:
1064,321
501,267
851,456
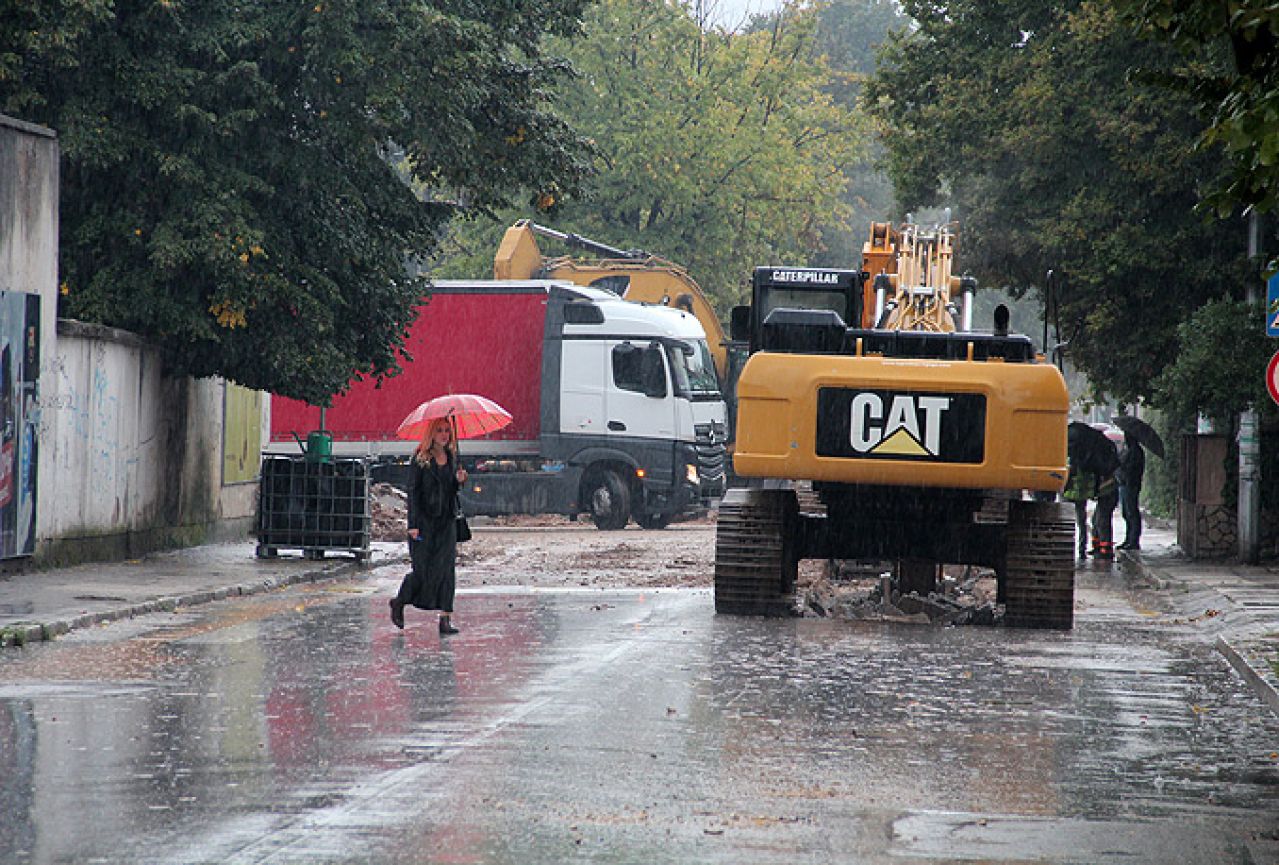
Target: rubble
389,508
865,591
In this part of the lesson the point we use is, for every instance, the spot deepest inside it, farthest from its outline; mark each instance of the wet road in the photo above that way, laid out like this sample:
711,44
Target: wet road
628,726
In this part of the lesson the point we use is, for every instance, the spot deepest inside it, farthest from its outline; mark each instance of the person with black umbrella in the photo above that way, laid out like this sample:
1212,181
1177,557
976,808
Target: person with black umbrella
1093,459
1139,437
1132,465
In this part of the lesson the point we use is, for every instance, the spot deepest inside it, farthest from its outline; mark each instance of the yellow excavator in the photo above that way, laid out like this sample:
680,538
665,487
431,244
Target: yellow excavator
633,274
924,441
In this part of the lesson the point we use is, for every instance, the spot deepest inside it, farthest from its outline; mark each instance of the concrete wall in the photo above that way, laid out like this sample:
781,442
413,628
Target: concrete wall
134,456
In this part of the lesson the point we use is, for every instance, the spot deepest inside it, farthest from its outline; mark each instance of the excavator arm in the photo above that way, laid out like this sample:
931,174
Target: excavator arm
912,287
633,274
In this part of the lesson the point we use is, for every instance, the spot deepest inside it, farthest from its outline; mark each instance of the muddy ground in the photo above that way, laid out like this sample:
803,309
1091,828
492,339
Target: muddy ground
553,551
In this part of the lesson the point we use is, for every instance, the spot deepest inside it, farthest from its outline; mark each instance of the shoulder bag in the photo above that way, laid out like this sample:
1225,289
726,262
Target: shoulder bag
463,530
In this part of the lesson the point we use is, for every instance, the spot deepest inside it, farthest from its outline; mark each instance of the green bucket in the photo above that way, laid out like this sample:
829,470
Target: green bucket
319,447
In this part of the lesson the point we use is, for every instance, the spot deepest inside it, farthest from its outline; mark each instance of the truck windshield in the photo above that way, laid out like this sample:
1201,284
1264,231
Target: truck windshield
692,369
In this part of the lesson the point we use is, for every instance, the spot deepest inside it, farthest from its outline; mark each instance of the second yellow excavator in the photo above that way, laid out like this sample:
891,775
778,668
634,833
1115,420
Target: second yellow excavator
634,275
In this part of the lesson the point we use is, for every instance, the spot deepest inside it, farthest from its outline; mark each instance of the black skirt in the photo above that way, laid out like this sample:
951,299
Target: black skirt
433,580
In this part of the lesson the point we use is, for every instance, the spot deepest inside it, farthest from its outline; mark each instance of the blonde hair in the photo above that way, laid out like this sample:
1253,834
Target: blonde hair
426,447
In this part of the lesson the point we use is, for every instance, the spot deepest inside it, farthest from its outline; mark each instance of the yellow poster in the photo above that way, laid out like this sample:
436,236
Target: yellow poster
241,434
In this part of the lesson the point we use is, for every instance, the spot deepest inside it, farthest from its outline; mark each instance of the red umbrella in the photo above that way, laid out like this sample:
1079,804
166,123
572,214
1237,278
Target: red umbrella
471,416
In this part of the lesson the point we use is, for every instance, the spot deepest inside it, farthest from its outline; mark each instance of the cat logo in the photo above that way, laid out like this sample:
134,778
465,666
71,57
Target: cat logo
900,425
911,427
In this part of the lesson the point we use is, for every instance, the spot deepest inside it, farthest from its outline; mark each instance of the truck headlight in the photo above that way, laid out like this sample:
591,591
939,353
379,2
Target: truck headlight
690,472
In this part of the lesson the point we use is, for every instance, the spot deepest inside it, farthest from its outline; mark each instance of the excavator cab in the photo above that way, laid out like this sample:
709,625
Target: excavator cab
795,307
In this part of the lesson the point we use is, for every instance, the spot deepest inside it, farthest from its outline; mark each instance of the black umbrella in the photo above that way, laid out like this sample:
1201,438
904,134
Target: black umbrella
1143,432
1089,450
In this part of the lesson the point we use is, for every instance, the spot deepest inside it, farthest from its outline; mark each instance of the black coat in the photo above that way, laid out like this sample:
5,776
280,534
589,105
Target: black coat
1132,465
432,493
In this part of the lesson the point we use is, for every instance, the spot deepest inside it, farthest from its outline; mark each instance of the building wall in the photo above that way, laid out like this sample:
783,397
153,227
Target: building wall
1208,523
29,264
29,215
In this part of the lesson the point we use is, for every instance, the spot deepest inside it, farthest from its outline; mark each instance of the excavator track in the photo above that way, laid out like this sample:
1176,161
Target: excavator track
755,564
1040,566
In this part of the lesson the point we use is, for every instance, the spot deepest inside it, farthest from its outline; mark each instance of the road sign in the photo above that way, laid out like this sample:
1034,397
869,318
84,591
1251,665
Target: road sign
1272,306
1272,377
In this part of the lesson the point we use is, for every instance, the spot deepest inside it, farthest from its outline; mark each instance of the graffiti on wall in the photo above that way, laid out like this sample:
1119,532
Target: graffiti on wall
19,420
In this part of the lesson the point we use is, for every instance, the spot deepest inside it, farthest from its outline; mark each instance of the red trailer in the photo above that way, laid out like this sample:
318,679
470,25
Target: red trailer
616,405
484,342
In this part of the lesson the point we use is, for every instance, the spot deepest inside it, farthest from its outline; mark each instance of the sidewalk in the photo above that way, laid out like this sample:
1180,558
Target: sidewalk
41,605
1240,603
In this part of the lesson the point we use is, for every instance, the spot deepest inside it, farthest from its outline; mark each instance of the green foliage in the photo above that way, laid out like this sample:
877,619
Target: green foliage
38,40
1219,365
227,187
849,33
717,150
1028,120
1232,71
1160,485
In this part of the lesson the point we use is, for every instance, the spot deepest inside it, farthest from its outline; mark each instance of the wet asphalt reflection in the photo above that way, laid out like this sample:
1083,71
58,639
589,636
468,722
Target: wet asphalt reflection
627,726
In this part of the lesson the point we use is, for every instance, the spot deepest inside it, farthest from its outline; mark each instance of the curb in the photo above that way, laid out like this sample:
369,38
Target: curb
1250,674
21,634
1255,678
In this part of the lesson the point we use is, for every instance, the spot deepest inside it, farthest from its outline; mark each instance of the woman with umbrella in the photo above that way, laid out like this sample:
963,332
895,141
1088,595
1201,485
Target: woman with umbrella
435,476
434,479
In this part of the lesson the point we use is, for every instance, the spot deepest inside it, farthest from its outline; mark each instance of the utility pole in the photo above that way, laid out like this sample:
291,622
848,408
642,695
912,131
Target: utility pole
1249,440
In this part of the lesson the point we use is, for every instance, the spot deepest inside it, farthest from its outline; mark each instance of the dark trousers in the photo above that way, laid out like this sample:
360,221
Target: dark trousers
432,582
1103,537
1131,511
1081,524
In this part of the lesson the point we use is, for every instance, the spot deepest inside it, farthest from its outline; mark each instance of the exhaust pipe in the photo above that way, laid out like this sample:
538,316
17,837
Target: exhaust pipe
968,285
882,286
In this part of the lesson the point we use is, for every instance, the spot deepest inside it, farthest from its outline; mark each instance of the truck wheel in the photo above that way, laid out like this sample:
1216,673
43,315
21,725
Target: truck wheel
610,501
755,561
1039,570
653,521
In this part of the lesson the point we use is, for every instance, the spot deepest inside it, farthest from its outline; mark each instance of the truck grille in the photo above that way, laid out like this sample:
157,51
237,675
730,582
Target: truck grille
711,457
710,468
711,433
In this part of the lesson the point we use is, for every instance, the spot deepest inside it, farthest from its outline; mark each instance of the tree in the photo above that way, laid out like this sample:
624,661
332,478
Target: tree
228,188
1232,72
1204,379
716,150
38,39
1027,119
848,36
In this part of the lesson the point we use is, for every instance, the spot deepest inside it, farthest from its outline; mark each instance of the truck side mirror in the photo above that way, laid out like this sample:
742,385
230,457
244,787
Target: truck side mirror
739,324
653,372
